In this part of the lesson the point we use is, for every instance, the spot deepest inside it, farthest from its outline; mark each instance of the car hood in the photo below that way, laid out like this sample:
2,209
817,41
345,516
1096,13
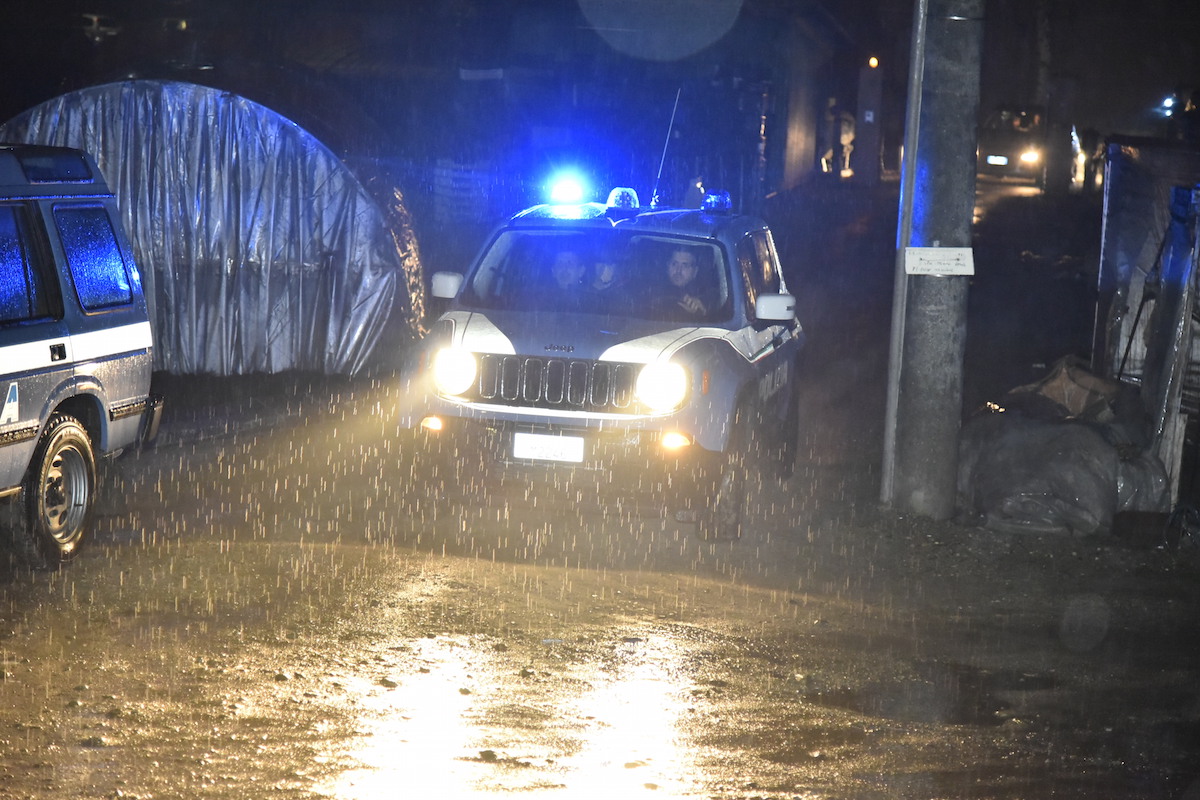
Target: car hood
568,335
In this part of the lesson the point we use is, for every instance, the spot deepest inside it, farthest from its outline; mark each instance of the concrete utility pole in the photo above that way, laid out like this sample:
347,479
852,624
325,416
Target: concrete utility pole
930,304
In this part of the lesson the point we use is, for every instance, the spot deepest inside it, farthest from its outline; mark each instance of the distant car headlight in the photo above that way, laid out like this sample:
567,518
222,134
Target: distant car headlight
1031,157
662,386
454,370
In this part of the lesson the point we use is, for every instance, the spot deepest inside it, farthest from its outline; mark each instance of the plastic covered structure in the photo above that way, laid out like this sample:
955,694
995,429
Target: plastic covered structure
1146,326
260,250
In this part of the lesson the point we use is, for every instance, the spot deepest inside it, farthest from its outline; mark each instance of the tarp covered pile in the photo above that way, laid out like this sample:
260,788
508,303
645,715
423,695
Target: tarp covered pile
1061,455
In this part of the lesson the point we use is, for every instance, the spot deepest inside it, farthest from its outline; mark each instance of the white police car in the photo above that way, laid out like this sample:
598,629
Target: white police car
658,345
75,347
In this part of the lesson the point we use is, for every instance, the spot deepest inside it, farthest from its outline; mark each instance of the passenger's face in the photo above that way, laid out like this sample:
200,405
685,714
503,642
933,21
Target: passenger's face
606,273
681,268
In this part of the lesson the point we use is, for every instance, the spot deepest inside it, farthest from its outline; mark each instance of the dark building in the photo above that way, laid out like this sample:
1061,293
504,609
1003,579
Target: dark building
506,90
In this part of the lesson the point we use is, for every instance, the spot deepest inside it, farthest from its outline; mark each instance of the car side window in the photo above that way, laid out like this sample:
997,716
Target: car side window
747,257
93,256
759,265
24,288
767,263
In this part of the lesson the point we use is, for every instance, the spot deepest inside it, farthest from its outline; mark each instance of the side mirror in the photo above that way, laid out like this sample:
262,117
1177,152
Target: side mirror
445,285
775,308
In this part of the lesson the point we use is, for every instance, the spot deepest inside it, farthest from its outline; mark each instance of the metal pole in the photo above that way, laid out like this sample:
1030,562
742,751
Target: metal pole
666,144
912,116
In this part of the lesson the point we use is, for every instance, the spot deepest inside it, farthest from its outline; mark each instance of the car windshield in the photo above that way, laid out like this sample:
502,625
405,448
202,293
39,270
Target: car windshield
603,271
1020,122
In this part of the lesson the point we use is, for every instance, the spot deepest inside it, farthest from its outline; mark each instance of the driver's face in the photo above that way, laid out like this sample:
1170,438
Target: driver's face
568,268
681,268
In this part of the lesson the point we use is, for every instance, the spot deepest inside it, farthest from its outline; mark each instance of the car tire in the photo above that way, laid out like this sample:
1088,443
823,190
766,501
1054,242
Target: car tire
726,509
59,495
789,445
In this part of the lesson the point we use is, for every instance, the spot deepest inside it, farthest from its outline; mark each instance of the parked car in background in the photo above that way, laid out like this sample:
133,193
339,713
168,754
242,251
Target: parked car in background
1022,143
1013,144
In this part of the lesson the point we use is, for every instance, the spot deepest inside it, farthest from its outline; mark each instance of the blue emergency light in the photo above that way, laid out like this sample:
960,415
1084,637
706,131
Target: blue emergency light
716,202
567,189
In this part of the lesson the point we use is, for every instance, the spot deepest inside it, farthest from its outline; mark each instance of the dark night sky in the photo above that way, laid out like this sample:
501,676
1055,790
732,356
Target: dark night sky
1112,60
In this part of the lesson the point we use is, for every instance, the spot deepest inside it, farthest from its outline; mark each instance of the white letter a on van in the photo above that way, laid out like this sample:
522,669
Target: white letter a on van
11,411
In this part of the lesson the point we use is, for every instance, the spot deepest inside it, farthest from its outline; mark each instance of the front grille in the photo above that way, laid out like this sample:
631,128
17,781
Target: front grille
557,383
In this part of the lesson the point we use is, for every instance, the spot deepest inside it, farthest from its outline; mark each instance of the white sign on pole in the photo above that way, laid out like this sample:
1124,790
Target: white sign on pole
939,261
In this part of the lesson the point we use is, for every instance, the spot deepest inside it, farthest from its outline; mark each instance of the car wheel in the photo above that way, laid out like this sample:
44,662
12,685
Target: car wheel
59,494
789,444
726,510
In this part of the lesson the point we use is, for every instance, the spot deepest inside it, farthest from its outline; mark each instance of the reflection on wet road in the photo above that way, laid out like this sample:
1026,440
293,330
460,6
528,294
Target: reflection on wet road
608,730
272,613
991,191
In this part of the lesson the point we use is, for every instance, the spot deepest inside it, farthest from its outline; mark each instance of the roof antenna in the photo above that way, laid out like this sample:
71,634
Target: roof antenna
654,198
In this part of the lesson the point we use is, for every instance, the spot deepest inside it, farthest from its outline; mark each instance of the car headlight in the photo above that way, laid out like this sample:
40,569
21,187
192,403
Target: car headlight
454,370
1030,157
662,386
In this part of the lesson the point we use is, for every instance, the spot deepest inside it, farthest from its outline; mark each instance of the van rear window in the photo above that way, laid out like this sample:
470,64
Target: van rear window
23,293
55,168
97,268
15,294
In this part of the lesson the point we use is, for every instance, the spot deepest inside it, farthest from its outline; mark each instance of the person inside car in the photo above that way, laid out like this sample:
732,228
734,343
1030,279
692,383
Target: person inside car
684,296
567,288
604,275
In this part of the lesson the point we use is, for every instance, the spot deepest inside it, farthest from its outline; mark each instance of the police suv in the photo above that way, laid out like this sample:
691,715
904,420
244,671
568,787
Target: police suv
657,345
76,350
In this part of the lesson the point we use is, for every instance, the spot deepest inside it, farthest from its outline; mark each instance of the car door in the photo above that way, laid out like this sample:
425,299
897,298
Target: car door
35,348
110,334
772,345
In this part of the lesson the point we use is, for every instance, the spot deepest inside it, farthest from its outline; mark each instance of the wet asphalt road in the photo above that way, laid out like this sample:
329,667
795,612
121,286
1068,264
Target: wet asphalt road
274,606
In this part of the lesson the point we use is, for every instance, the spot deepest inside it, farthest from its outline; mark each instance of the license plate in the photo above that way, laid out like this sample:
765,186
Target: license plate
998,161
542,447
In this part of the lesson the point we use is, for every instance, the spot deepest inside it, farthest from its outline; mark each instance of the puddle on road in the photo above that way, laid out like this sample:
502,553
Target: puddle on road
460,725
417,722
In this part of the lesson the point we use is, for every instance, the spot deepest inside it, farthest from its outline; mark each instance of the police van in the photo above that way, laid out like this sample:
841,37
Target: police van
651,344
76,350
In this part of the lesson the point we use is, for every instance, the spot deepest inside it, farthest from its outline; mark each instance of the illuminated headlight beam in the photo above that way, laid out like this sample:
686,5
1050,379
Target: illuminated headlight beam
662,386
454,370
